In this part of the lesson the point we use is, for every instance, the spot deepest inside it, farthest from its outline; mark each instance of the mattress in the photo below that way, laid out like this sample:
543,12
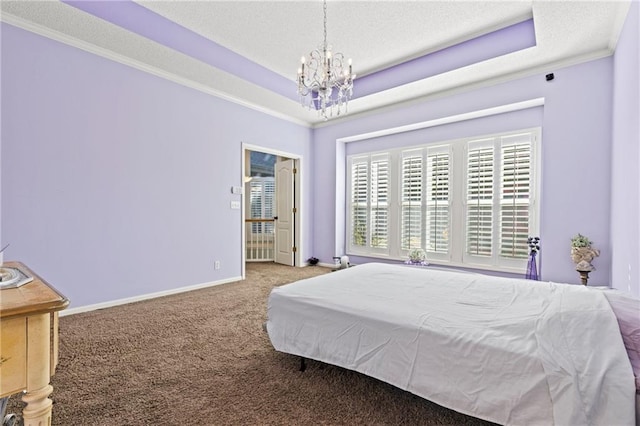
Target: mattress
505,350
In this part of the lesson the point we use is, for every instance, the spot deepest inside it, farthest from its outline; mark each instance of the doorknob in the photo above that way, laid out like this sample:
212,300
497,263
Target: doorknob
275,218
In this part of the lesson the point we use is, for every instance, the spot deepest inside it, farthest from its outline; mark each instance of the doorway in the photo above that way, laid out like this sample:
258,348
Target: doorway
271,214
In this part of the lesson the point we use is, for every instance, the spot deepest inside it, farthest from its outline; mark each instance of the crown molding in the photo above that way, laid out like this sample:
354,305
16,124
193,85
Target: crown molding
367,109
58,36
473,85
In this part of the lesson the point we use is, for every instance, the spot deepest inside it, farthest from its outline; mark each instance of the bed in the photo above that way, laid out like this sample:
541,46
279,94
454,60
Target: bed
506,350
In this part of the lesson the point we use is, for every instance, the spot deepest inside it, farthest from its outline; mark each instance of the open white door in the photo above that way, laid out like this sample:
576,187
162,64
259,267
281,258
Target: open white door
284,224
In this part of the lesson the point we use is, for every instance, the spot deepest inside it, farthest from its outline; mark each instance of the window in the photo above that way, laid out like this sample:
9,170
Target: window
479,222
424,190
466,202
379,207
261,191
359,203
369,207
262,201
262,164
411,234
437,201
515,195
499,215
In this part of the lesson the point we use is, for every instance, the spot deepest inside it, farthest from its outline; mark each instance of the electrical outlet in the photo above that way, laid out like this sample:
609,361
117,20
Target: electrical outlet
216,264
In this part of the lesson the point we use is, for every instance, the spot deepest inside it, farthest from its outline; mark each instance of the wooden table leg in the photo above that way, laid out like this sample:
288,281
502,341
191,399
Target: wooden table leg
38,409
37,412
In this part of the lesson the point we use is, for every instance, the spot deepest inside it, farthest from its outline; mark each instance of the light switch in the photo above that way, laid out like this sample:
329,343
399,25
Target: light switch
235,205
236,190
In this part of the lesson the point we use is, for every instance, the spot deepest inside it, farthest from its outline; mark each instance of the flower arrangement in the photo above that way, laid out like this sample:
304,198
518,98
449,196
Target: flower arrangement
417,256
580,241
582,253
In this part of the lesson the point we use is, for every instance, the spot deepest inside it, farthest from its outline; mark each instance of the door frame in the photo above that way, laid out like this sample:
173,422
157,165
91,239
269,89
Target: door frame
298,194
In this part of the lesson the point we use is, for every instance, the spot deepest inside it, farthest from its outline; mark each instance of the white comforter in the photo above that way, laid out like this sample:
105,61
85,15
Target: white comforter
506,350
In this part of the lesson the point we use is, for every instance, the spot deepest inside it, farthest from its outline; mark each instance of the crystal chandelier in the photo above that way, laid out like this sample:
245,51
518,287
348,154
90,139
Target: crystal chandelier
325,81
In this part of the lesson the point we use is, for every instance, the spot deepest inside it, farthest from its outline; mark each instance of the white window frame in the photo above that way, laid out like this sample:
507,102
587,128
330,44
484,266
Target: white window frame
458,150
267,204
368,249
444,256
418,204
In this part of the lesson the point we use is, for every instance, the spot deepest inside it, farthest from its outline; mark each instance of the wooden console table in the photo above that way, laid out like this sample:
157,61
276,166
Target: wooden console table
29,344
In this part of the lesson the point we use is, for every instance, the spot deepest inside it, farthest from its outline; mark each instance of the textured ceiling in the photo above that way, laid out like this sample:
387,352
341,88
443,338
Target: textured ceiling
378,35
375,34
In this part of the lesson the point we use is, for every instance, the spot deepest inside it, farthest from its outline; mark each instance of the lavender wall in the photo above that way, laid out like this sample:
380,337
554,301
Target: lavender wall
1,119
625,177
576,132
116,183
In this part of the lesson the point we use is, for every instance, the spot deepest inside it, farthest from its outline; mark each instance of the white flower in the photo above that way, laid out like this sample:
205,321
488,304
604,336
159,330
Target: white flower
417,255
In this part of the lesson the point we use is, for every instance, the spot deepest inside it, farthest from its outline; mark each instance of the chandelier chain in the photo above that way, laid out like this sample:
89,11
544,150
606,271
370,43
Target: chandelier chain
325,25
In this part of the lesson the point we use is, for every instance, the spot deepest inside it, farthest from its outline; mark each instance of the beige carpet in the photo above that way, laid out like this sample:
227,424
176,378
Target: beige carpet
202,358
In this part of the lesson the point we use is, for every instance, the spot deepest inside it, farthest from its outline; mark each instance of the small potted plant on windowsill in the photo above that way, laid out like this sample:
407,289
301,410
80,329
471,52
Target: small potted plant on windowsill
417,257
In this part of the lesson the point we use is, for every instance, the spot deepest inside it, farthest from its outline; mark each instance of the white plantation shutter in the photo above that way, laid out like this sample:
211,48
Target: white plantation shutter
411,200
499,199
359,202
437,200
479,215
369,203
379,201
466,202
262,193
515,195
256,199
269,191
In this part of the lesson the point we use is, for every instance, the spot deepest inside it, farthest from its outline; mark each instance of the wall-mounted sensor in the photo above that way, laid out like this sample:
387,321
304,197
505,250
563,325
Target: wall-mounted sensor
549,77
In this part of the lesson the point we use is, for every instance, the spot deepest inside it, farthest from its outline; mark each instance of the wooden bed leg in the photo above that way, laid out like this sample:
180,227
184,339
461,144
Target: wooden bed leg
303,364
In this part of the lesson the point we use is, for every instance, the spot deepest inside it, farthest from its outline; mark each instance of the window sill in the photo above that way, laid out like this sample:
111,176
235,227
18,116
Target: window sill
469,267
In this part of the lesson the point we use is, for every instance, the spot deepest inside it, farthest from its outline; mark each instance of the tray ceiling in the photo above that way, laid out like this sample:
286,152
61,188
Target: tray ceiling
248,51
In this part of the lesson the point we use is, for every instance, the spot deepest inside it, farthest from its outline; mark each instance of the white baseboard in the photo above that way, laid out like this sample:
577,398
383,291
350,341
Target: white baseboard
142,297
